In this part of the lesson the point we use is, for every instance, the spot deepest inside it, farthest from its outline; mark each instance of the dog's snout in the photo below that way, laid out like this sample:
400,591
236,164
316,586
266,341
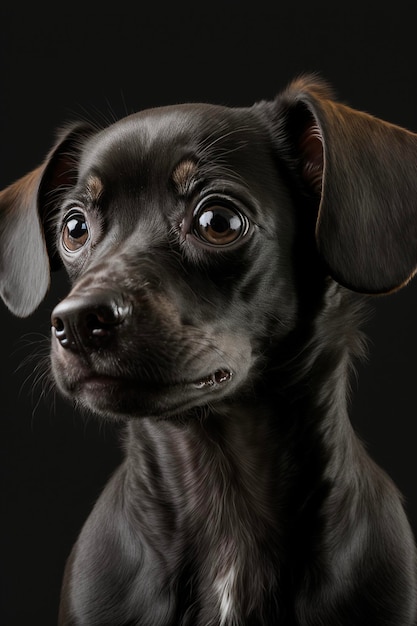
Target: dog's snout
87,320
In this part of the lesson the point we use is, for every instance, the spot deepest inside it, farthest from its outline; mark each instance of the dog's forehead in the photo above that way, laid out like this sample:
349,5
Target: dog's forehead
165,135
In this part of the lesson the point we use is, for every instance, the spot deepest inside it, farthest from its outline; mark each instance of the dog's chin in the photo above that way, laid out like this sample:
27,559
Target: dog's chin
121,399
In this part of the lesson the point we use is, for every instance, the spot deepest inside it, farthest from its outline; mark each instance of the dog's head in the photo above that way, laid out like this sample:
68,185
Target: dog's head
192,234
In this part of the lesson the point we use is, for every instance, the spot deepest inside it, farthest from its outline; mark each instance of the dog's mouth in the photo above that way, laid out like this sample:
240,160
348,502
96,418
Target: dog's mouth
219,377
115,396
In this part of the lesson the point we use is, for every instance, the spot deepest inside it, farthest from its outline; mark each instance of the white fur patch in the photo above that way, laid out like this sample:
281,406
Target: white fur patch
225,588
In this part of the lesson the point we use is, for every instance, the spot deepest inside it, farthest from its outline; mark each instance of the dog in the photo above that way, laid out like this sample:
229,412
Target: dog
219,259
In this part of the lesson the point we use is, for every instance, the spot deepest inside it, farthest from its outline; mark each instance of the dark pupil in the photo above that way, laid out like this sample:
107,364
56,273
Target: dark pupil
77,228
219,223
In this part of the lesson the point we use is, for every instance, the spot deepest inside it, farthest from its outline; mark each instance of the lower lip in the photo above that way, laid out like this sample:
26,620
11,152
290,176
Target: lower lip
215,380
103,381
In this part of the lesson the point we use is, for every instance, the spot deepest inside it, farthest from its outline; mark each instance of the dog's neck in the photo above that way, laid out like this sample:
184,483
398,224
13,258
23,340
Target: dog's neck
210,490
227,479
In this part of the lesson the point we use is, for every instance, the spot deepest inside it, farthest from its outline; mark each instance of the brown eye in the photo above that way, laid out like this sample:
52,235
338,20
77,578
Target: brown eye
219,224
75,232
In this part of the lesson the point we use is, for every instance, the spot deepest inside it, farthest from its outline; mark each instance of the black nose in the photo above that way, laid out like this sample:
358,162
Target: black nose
87,320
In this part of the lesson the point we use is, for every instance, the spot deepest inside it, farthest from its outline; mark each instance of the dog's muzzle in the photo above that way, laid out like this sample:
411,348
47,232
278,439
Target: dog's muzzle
122,357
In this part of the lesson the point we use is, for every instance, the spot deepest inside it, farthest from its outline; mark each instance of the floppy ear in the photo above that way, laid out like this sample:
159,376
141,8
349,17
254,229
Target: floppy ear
364,172
24,258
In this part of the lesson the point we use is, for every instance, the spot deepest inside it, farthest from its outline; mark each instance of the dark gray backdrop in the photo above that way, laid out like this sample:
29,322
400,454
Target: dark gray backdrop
59,64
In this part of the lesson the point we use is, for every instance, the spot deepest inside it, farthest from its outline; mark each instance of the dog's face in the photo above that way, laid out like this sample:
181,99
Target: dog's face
198,237
177,236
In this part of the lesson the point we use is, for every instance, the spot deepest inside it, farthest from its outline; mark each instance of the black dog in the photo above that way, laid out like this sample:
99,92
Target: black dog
210,250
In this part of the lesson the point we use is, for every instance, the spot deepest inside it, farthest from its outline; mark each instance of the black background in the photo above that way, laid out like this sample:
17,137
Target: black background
69,61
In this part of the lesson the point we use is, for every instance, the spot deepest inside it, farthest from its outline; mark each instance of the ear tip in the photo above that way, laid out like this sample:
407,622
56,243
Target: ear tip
21,309
307,85
20,302
353,271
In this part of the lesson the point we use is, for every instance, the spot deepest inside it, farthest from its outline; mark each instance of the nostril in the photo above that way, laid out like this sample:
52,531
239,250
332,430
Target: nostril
60,333
105,315
100,323
58,324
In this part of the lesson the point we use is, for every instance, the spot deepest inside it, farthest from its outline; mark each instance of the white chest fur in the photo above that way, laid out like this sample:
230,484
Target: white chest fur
225,589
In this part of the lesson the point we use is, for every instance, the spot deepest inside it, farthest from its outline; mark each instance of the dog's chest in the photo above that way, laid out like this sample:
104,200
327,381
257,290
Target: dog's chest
237,582
240,596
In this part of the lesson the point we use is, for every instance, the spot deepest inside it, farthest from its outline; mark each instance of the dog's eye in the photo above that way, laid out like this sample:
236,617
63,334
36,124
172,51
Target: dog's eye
75,232
219,224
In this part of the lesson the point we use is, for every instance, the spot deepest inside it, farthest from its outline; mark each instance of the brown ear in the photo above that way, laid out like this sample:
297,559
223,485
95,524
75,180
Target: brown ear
24,261
365,171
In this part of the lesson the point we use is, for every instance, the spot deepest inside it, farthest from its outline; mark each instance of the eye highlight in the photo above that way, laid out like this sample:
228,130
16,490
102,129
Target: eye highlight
218,222
75,232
